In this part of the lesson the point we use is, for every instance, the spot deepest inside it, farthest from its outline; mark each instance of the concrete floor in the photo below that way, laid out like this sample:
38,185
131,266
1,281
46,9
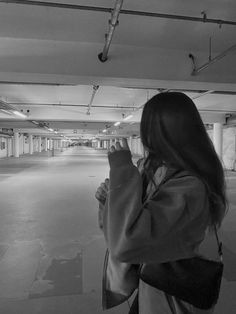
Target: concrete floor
51,249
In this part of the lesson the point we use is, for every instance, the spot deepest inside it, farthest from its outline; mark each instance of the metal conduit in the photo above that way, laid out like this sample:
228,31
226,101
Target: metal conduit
119,108
203,19
95,88
112,25
217,58
70,105
36,83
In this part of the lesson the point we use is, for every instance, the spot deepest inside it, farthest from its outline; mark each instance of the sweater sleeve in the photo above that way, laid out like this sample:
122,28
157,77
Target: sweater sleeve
164,228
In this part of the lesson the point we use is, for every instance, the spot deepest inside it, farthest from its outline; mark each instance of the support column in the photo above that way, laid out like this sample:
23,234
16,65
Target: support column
16,144
61,144
50,144
46,144
218,138
40,143
8,147
53,148
130,143
31,144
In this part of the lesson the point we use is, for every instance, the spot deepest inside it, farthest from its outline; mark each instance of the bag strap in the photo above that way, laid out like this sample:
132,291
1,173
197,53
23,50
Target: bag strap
219,243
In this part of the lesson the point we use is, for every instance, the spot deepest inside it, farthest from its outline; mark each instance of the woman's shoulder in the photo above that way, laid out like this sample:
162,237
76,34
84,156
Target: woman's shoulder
186,181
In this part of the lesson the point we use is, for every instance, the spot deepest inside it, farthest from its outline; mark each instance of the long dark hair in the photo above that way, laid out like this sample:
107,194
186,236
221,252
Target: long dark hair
172,132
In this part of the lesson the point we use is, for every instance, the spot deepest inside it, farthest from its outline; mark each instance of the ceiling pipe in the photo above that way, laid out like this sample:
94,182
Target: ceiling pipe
113,22
11,110
203,19
95,88
70,105
34,83
203,94
211,61
7,107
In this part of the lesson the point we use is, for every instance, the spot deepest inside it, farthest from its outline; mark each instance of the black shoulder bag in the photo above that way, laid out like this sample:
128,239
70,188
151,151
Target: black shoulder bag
194,280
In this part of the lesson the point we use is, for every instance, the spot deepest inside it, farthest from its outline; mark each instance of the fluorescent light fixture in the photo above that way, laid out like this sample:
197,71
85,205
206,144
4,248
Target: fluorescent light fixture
19,114
128,117
104,131
56,132
51,130
117,123
35,122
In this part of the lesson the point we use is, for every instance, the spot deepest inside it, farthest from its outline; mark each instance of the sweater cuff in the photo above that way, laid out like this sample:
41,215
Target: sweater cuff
120,158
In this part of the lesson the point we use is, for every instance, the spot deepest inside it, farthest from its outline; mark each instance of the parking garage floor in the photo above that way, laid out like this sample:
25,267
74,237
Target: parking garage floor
51,249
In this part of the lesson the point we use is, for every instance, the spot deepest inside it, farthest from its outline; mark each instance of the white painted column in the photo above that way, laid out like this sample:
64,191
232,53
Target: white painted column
130,140
53,147
61,145
135,146
140,147
218,138
16,144
50,144
40,143
31,144
46,144
23,144
8,147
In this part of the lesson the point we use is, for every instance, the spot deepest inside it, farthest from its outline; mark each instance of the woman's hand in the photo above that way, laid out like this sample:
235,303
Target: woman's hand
118,147
101,196
101,193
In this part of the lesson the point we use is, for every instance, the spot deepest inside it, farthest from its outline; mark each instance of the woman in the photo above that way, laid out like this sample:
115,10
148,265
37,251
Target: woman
160,211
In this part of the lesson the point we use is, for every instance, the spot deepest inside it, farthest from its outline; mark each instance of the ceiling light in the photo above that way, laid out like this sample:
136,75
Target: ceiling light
51,130
104,131
35,122
19,114
117,123
128,117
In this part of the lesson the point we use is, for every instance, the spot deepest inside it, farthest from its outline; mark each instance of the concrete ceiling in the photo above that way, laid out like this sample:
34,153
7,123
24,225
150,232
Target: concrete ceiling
49,63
